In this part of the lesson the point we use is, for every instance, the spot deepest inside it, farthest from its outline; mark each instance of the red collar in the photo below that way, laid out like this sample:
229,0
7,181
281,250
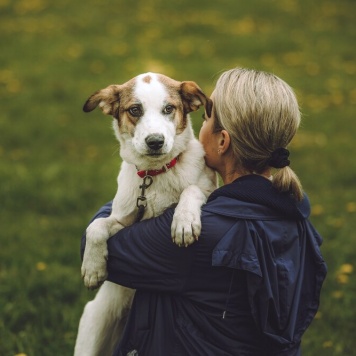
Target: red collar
155,172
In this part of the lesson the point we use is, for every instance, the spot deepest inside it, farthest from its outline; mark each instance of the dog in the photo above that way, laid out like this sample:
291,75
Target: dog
162,165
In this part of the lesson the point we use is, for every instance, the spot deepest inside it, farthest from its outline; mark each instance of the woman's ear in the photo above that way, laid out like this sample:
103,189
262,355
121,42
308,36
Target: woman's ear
224,141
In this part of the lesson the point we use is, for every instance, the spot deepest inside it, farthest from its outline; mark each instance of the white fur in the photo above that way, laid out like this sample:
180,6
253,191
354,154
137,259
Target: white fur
189,182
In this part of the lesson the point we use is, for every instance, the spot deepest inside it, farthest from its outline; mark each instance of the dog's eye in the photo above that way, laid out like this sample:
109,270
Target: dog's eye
135,111
168,109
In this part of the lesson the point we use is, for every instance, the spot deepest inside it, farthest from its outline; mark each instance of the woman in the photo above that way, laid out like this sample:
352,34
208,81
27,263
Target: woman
251,284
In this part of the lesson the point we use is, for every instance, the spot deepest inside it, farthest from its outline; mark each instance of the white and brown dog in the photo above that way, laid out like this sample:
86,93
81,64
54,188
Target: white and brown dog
162,164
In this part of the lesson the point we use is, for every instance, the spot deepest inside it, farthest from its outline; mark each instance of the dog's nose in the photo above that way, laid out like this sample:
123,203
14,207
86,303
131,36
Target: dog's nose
155,141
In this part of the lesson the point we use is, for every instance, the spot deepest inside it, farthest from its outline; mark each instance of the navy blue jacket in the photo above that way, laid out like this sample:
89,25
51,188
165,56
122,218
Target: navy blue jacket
250,286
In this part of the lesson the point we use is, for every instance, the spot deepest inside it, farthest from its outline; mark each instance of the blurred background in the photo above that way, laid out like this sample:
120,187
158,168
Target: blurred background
59,165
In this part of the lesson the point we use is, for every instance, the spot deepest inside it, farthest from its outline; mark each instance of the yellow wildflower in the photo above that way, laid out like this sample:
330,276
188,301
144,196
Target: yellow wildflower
346,268
41,266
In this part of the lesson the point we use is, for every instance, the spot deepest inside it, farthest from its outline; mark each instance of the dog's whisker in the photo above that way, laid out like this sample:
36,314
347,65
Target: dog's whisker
117,151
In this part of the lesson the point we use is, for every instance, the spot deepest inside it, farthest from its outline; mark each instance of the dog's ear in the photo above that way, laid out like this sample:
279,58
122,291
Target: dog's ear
107,99
193,98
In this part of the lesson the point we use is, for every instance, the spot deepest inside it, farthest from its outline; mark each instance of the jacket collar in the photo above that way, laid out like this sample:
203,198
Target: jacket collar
258,193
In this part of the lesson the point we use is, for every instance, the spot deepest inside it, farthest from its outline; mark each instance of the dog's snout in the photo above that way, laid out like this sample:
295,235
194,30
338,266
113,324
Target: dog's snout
155,141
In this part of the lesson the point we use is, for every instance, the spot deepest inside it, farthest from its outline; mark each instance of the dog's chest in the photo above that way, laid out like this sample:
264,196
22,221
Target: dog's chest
161,195
154,199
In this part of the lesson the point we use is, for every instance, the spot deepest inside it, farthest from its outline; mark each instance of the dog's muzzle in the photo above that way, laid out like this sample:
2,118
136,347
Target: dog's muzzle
155,141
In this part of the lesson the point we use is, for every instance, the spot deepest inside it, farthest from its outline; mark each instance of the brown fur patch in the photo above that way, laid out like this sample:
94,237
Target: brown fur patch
147,79
190,96
125,122
114,100
193,98
173,88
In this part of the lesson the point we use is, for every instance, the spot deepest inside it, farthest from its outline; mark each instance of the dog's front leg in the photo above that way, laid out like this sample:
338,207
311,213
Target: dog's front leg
186,225
98,232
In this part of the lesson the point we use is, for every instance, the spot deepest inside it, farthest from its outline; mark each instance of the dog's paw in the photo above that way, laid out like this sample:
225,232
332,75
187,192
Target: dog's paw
93,270
186,227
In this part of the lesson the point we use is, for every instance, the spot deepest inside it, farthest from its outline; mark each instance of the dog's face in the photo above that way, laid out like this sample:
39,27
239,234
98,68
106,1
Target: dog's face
151,114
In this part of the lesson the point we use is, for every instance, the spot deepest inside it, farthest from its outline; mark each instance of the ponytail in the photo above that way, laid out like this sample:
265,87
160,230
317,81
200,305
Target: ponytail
285,180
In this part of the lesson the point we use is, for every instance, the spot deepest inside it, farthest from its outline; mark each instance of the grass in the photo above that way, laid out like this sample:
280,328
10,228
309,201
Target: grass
58,165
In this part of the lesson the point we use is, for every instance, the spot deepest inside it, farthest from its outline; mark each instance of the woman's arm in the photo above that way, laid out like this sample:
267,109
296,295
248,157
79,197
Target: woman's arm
143,256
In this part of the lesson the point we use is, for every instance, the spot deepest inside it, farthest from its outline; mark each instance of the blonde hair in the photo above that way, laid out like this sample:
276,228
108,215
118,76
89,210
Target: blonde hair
261,114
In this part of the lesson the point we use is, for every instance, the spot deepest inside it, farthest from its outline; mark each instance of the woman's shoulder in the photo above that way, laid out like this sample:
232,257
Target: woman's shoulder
255,196
240,209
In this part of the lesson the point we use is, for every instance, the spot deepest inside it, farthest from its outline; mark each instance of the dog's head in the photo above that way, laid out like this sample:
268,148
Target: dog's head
151,114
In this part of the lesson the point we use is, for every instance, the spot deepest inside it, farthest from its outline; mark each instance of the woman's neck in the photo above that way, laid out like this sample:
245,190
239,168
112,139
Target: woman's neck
231,173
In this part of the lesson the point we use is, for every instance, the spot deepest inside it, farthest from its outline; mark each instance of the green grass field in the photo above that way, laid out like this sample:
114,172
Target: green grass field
58,165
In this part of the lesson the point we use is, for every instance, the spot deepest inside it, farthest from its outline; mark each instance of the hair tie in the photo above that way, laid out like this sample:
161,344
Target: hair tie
279,158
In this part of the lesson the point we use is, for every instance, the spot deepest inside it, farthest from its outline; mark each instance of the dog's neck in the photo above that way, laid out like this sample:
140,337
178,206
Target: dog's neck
155,172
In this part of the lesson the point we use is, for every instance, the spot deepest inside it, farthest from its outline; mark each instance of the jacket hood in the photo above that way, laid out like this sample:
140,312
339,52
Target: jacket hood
261,196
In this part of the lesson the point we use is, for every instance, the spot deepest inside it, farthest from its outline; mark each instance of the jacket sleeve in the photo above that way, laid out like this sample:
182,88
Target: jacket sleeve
143,256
